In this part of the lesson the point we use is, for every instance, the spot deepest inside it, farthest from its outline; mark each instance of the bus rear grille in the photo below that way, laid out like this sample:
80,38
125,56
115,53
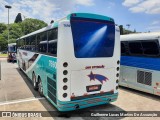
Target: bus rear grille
144,77
52,91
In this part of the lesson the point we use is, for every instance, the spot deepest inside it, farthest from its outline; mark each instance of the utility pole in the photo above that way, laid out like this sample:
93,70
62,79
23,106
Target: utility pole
128,27
8,7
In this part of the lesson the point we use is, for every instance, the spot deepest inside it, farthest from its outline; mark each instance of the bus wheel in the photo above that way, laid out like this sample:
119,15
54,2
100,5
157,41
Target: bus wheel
40,87
35,85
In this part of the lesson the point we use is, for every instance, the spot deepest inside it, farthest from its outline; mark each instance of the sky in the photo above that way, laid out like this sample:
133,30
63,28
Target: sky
141,15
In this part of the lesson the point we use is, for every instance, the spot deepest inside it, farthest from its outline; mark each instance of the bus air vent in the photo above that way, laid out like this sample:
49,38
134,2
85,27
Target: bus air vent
52,90
144,77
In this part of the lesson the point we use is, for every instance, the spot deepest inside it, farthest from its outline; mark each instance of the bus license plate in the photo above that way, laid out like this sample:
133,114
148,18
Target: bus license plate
93,88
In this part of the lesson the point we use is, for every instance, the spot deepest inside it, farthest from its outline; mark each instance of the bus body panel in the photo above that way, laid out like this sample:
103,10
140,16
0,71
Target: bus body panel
42,66
130,80
139,72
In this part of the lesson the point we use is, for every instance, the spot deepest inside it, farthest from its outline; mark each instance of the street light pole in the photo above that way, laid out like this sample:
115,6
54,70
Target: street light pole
8,7
128,27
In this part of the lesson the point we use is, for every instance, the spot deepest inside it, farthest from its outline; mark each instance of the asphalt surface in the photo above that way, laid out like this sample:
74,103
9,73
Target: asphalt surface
17,94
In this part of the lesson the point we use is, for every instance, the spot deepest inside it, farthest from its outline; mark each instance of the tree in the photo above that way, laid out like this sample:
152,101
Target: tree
3,42
2,27
17,30
18,18
121,29
29,25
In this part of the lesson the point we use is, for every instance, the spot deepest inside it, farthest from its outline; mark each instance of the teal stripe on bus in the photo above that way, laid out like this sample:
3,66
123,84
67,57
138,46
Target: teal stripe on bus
92,16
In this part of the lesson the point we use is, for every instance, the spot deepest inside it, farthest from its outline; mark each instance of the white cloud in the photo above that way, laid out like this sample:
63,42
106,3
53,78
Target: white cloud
41,9
154,26
85,2
129,3
156,22
146,6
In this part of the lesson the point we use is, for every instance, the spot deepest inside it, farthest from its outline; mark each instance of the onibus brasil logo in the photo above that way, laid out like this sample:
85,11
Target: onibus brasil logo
98,77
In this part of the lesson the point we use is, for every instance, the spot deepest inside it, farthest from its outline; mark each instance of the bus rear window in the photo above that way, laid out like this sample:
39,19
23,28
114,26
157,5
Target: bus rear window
92,38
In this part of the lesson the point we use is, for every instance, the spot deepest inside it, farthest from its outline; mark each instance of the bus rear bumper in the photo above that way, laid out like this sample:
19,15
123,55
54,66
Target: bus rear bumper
84,103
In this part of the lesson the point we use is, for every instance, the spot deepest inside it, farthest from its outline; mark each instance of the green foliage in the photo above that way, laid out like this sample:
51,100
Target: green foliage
2,27
124,31
29,25
3,42
17,30
121,29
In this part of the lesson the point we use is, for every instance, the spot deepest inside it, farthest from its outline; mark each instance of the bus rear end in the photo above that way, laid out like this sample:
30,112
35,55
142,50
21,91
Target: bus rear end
11,52
87,61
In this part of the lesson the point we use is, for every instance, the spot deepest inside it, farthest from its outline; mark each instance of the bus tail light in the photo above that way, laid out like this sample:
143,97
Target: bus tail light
65,72
101,91
65,80
85,94
112,91
72,96
117,68
65,87
118,62
117,74
65,64
64,95
117,81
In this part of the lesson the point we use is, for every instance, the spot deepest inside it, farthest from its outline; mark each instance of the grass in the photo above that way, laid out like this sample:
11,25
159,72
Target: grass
3,55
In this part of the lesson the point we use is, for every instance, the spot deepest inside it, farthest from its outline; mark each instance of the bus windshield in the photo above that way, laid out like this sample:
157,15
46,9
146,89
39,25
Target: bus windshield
12,48
93,38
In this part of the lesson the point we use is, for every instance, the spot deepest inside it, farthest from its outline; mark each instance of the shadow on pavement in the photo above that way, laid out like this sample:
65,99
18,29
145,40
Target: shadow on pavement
28,82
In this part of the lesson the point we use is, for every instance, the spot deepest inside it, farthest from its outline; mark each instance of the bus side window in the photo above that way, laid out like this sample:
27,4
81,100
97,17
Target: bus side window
17,43
33,43
27,46
52,41
42,42
22,43
150,48
135,48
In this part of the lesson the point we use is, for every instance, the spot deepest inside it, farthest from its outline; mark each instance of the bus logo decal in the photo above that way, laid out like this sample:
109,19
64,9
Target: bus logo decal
67,25
52,64
98,77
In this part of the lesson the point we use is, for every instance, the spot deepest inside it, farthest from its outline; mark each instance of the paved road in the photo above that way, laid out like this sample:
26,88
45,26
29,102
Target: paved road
16,93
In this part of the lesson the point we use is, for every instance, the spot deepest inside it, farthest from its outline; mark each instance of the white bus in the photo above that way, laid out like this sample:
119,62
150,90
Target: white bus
11,52
73,62
140,62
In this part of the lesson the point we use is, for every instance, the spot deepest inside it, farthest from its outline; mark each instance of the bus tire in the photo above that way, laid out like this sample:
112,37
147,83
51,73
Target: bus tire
24,66
20,69
40,87
35,84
